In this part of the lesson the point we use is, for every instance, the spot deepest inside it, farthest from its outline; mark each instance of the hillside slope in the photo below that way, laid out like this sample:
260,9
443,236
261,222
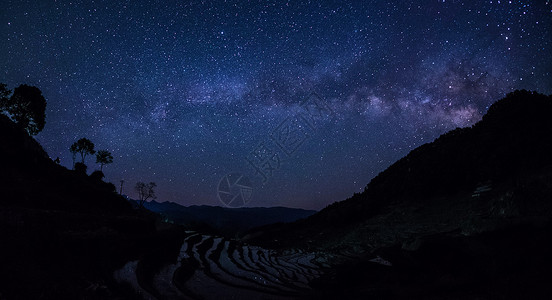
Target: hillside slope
63,233
29,178
506,155
466,216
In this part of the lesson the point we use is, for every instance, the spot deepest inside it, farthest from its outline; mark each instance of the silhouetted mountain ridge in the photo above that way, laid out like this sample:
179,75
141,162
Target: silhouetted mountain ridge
223,220
467,216
508,150
513,139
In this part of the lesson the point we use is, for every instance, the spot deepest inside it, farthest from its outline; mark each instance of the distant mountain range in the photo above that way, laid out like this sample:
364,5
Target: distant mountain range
226,221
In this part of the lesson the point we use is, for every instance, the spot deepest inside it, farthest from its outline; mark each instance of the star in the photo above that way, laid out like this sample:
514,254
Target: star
182,92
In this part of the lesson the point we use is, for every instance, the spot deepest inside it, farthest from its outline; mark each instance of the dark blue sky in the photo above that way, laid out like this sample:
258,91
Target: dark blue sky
183,93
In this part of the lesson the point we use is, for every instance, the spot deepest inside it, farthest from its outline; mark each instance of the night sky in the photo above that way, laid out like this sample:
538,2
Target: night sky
183,93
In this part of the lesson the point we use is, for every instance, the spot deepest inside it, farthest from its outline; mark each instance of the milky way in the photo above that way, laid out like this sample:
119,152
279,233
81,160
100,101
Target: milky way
182,93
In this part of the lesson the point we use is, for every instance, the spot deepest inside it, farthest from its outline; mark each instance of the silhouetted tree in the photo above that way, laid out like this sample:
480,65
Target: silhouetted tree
83,146
121,190
4,94
73,149
103,157
145,191
26,107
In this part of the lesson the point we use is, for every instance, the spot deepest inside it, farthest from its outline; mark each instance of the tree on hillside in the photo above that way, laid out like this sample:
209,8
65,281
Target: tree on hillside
74,150
103,157
26,107
145,191
4,94
84,147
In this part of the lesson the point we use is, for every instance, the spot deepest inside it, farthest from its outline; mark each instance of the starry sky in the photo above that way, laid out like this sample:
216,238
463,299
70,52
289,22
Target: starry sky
184,92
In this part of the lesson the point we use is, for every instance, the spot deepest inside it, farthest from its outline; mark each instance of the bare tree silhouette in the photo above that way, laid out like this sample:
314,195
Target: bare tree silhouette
145,191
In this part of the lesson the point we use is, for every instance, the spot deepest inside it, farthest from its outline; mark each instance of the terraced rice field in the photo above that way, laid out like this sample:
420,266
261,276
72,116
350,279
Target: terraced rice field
212,267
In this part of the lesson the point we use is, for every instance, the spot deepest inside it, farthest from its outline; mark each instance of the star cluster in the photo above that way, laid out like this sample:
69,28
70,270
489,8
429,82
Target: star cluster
181,92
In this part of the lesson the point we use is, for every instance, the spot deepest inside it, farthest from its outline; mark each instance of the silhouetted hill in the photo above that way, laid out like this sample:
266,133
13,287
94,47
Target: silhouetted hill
63,233
29,178
465,216
226,221
512,140
508,152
